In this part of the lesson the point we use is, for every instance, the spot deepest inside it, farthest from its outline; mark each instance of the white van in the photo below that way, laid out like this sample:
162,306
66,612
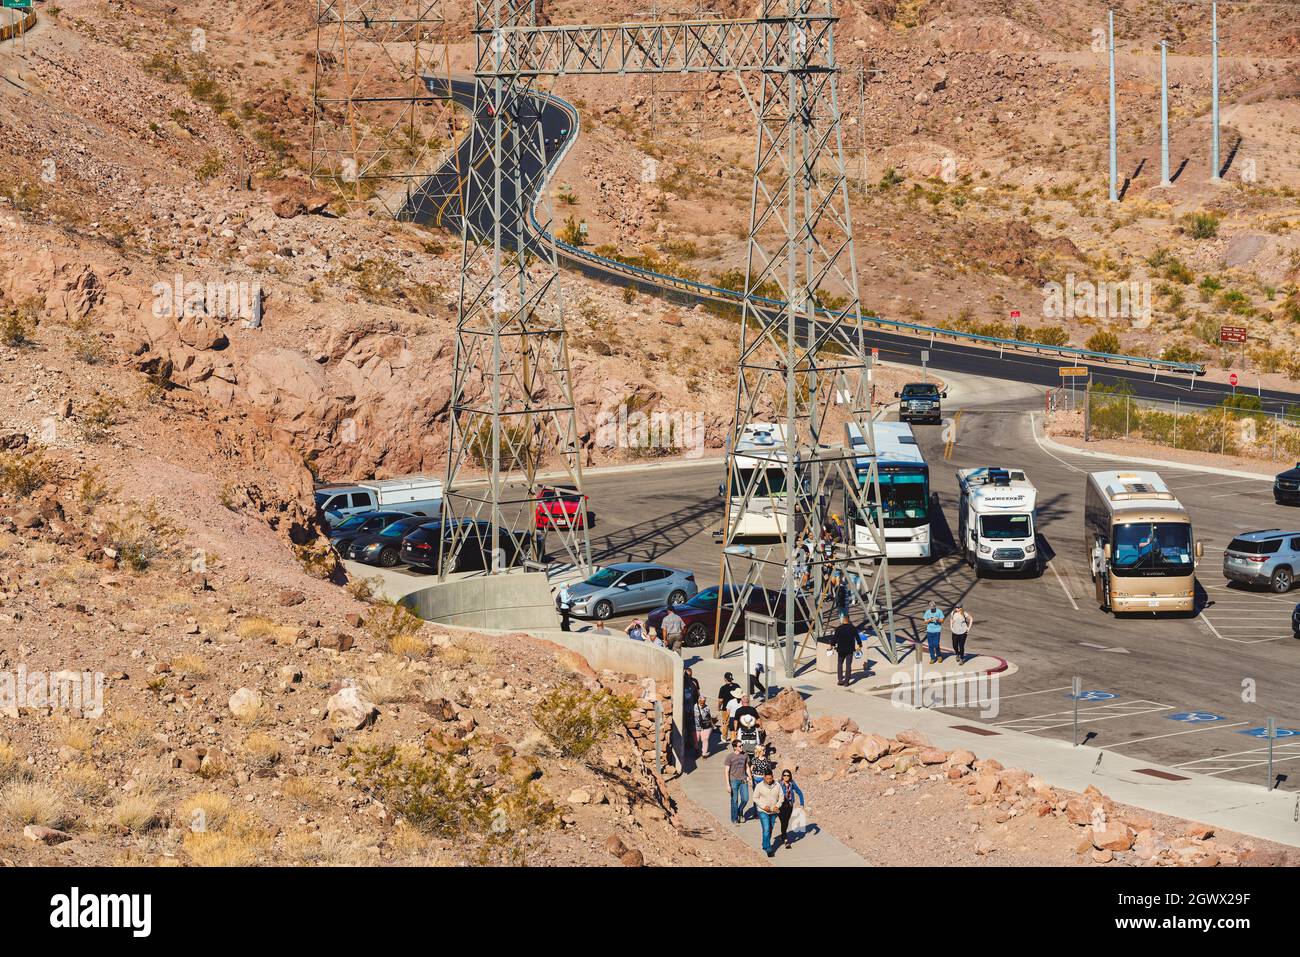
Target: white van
414,494
996,524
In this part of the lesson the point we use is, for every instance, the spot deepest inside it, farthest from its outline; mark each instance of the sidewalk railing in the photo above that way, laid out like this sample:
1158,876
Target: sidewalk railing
1235,426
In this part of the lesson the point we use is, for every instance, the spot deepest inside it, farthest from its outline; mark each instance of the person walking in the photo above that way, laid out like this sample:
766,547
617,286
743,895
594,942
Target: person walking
756,686
736,773
789,791
767,800
724,693
564,616
703,725
671,628
690,695
846,645
933,629
960,623
737,696
761,763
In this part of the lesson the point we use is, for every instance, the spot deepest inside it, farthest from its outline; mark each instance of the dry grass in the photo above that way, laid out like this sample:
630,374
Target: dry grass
27,802
303,791
78,736
255,627
239,842
136,813
387,683
262,750
466,649
85,782
325,848
192,665
11,765
408,646
205,812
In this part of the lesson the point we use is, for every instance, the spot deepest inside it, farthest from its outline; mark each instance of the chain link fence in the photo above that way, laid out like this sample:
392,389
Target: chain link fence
1236,426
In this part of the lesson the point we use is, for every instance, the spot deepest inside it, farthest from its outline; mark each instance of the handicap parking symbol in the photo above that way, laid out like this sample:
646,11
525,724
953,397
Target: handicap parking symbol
1195,717
1277,732
1093,696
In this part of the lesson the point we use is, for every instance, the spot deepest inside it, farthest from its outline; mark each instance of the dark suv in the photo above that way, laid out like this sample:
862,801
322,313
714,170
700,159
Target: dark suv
1270,557
1286,486
420,548
920,402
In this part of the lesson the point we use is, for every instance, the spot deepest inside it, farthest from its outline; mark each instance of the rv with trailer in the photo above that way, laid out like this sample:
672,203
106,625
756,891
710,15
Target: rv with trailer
1138,543
996,524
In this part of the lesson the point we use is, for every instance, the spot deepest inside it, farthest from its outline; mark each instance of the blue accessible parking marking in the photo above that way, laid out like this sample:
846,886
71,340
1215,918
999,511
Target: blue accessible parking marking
1277,733
1093,696
1195,717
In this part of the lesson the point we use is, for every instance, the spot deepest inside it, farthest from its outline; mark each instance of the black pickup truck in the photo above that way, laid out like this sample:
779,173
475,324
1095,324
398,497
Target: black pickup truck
920,402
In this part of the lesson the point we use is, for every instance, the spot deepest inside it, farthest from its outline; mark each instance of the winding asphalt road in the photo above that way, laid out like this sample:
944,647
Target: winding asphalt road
437,203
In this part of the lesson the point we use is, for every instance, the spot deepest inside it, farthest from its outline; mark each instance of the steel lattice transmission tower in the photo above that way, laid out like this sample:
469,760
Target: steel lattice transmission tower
804,374
512,396
375,129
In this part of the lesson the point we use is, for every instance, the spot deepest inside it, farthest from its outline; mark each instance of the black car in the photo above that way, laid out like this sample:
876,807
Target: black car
363,523
1286,486
920,402
1295,621
422,546
383,548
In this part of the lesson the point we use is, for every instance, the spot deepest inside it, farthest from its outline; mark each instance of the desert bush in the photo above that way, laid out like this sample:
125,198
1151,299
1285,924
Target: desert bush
364,589
92,490
203,812
262,750
143,536
28,802
576,719
238,842
1103,340
317,559
429,790
1051,336
11,765
16,328
99,417
21,475
136,813
1201,225
396,627
84,782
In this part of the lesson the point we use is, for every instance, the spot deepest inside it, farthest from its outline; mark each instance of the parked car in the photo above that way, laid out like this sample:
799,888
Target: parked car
920,402
1270,557
1286,486
1295,622
561,506
700,614
363,523
384,547
421,547
415,495
627,586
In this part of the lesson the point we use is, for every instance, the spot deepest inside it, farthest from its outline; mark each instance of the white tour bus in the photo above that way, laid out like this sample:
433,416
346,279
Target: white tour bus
904,487
760,466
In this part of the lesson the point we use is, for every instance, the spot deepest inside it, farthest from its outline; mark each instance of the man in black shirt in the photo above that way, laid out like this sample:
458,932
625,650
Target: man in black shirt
846,645
724,693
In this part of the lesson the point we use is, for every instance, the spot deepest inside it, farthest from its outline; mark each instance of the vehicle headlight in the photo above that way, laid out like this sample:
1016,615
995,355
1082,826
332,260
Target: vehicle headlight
1030,549
984,549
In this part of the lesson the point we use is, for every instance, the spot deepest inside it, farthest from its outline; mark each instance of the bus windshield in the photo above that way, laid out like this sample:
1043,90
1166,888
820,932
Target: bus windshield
1152,548
1005,526
906,497
770,482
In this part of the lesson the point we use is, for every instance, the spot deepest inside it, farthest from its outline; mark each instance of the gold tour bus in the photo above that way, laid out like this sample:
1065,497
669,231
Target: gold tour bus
1139,544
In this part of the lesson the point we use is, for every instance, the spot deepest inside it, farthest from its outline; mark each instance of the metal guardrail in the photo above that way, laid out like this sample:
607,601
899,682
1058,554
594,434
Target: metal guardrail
733,297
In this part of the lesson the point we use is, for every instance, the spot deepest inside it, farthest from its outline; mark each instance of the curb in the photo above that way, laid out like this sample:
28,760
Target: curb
1045,444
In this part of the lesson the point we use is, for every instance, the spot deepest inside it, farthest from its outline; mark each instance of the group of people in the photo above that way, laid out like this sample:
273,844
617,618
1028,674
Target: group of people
959,625
668,635
773,799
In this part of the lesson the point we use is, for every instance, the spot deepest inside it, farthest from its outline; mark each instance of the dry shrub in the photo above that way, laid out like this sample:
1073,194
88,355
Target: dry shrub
143,536
303,791
21,475
190,664
28,802
576,720
11,765
255,627
83,781
429,790
392,625
78,736
204,812
262,750
365,589
136,813
240,840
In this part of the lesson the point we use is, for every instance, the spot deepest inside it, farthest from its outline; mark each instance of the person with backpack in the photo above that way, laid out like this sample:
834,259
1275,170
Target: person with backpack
789,791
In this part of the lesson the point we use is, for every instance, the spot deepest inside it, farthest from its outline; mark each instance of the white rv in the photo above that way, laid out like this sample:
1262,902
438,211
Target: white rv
760,472
996,521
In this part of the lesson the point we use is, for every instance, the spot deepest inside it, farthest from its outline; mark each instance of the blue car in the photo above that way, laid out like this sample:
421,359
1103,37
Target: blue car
627,586
343,534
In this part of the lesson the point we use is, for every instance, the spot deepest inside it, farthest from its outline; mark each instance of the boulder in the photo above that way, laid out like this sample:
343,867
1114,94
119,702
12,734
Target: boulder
245,704
872,747
349,709
963,757
933,756
913,738
1112,837
45,835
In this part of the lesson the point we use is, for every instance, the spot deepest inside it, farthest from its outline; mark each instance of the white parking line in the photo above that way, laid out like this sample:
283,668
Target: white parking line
1052,566
1241,760
1126,709
1209,726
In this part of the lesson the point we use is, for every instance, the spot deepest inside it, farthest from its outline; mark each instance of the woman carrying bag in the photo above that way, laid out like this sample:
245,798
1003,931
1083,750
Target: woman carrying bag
790,791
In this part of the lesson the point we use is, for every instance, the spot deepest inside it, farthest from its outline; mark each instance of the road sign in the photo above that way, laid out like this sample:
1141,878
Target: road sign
1232,379
875,353
1015,313
1232,334
1072,371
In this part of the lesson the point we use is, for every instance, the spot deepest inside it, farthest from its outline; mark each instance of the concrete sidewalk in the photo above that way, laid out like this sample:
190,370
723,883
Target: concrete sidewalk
816,848
1230,805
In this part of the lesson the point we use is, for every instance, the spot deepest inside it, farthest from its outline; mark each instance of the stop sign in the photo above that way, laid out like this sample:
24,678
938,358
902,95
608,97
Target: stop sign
1232,379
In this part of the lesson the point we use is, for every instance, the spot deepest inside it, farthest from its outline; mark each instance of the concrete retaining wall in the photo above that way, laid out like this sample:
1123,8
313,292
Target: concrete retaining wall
497,602
13,22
